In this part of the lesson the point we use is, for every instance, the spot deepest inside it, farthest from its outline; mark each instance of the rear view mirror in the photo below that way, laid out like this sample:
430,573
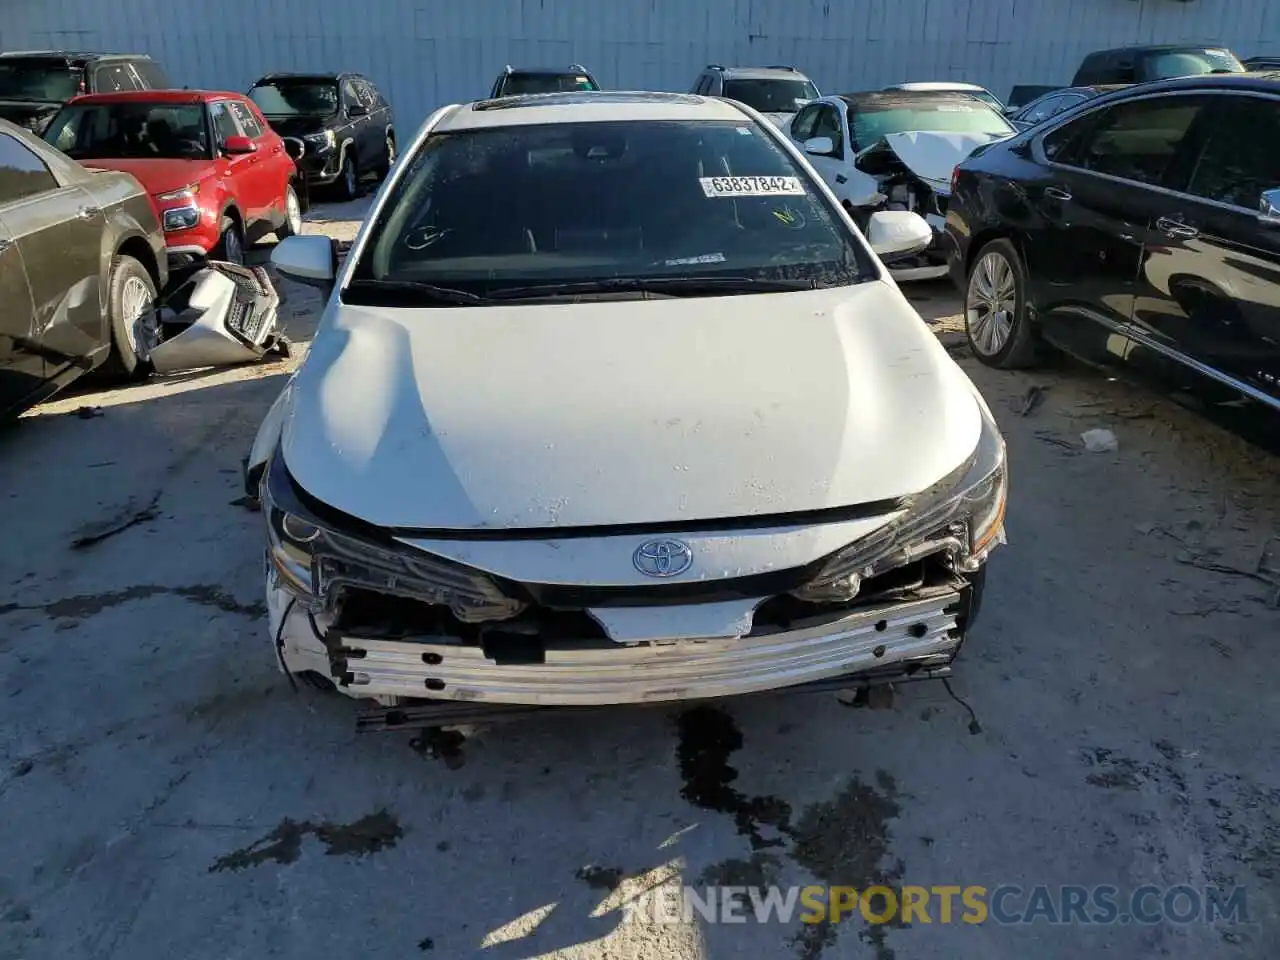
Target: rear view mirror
898,234
309,260
819,146
1269,207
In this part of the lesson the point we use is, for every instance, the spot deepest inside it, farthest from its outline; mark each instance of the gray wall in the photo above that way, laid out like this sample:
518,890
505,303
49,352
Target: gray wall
428,52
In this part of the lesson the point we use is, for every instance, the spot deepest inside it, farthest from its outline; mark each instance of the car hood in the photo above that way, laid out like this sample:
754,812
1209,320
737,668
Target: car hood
932,155
156,176
631,412
28,113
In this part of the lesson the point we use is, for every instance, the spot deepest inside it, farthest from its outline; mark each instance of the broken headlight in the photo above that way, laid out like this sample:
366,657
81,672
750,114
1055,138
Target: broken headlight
961,515
314,561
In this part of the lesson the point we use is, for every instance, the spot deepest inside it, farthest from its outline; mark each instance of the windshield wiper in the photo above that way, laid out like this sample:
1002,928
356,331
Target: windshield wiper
408,293
665,286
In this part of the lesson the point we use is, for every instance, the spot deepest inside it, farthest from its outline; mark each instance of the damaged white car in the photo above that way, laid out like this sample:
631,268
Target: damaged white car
896,150
611,403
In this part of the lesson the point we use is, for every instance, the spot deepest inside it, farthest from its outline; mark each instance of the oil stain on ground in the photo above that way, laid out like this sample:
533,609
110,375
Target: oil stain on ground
377,831
841,842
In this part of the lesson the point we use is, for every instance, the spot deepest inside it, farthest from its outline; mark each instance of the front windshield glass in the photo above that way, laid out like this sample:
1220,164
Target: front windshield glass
487,210
520,84
296,98
771,95
872,122
132,131
1191,63
38,80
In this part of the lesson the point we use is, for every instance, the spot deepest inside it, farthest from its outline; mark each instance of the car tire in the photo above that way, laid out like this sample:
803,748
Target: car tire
292,225
349,176
130,294
997,318
230,242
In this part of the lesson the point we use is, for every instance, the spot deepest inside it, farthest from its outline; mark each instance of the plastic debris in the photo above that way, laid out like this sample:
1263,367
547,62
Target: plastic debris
1100,441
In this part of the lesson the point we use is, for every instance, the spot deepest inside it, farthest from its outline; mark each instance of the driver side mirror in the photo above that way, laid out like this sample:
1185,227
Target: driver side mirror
310,260
819,146
357,110
239,145
1269,207
898,234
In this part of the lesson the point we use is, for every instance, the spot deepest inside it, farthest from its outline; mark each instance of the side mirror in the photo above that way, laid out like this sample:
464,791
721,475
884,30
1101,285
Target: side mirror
357,110
819,146
1269,207
898,234
239,145
309,260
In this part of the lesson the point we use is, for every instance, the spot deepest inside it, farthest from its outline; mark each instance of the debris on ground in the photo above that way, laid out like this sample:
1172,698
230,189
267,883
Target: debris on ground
1045,436
1100,441
130,516
1034,397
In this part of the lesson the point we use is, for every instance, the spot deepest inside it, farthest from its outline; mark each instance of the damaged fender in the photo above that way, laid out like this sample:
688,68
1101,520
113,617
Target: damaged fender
268,438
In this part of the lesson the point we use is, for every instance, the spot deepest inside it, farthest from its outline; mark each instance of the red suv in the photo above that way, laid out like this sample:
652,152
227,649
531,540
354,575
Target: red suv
218,176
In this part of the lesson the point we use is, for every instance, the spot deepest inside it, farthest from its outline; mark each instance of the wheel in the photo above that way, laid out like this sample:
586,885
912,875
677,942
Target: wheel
349,180
996,319
388,155
292,225
231,245
131,294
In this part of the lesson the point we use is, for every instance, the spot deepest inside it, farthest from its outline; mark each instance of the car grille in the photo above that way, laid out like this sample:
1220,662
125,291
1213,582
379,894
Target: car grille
250,316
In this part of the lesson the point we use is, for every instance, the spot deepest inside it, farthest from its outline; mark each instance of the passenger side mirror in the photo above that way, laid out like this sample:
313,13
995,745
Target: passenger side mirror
1269,207
309,260
819,146
898,234
239,145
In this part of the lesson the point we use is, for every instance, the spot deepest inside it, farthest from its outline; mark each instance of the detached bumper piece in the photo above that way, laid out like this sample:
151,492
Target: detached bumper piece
901,638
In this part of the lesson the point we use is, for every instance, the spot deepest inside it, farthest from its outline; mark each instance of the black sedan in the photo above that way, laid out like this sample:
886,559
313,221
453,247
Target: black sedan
1140,228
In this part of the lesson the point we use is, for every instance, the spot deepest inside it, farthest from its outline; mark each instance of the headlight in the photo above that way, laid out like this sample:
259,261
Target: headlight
324,140
183,193
312,559
181,218
962,514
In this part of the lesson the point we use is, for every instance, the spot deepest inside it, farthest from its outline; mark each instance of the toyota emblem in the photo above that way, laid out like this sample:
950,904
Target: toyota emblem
662,558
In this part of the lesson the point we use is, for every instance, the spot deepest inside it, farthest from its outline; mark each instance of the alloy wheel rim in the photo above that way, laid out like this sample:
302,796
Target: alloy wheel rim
991,304
293,211
139,319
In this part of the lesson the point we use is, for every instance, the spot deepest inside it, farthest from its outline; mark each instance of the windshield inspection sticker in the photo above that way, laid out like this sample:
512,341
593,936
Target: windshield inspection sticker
705,258
751,186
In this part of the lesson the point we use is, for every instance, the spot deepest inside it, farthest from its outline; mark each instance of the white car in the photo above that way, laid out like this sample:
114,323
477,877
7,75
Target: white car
952,86
611,403
895,150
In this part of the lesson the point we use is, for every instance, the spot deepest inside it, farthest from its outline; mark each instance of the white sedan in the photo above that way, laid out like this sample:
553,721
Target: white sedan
612,403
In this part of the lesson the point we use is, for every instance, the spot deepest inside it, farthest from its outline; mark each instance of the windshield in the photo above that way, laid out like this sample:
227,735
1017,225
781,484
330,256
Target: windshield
771,95
39,80
132,131
296,98
519,84
1190,63
872,122
605,202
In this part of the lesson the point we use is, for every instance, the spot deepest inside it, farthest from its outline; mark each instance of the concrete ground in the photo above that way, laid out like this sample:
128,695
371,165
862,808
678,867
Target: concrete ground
164,793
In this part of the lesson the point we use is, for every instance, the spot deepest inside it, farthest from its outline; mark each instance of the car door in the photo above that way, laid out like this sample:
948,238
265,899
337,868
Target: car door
357,114
236,171
1103,184
827,122
375,124
57,229
267,170
21,367
1211,275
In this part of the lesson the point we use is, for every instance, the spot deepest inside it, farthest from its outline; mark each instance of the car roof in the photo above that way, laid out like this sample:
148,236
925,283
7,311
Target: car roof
938,85
587,107
904,97
157,96
74,55
1262,81
1155,48
319,75
757,73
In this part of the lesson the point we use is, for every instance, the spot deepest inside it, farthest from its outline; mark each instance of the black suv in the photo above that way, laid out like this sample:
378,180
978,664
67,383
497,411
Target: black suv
1140,228
1140,64
517,81
341,127
34,84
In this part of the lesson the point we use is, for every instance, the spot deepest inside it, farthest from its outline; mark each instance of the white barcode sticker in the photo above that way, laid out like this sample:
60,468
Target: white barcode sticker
752,186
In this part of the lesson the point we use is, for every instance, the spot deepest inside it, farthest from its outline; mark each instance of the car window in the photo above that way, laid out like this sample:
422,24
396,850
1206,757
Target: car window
365,93
828,125
22,173
296,98
571,202
150,74
771,95
1234,169
519,84
115,76
224,124
703,84
1189,63
1139,139
132,130
803,124
40,80
1049,107
244,116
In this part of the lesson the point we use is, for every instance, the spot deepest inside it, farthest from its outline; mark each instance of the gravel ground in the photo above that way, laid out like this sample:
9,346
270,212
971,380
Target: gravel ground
165,793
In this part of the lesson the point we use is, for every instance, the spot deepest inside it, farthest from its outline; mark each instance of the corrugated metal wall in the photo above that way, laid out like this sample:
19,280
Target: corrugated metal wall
428,52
